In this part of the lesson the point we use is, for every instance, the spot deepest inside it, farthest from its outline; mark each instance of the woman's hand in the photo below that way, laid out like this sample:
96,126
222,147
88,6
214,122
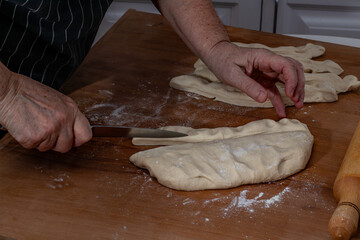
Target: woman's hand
255,72
38,116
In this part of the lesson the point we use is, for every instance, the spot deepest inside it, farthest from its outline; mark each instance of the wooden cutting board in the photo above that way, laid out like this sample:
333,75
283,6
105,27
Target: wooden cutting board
94,192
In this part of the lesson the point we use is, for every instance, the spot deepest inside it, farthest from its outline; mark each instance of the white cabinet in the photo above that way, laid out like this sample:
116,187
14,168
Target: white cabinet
310,17
239,13
319,17
252,14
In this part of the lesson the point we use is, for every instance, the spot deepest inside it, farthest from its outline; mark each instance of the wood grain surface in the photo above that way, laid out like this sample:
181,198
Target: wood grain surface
94,192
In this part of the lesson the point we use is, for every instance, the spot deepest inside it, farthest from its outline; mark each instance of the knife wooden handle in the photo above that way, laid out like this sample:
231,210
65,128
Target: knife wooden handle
344,222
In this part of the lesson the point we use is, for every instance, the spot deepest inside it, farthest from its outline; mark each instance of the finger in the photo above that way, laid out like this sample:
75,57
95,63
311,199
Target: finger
271,75
300,89
288,72
276,100
82,130
300,104
65,140
28,139
249,86
47,144
301,80
28,144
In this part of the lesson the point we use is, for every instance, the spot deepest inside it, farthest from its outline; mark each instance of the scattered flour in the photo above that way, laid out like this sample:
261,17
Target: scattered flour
101,105
187,201
193,95
106,92
142,111
60,181
247,203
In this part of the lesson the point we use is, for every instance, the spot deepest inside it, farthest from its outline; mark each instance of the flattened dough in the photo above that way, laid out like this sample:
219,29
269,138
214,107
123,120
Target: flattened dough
257,152
320,87
322,83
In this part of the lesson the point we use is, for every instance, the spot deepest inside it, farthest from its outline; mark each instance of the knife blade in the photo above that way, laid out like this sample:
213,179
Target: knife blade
120,131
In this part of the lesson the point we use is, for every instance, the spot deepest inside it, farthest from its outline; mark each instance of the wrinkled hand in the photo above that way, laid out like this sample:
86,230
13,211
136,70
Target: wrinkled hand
255,72
38,116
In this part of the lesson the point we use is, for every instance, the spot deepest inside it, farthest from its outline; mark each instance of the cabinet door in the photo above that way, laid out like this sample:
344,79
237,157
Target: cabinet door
319,17
240,13
237,13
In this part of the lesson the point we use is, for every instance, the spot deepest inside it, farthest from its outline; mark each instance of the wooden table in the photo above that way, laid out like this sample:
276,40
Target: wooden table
94,192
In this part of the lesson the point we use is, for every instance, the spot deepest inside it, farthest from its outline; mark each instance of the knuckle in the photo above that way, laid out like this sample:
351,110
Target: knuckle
264,51
27,142
267,51
70,103
245,86
301,67
290,62
64,149
48,129
61,117
79,142
44,148
64,145
27,145
73,105
82,140
86,138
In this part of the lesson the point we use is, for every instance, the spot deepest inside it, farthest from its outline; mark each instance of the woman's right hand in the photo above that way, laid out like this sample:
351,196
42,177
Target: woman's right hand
38,116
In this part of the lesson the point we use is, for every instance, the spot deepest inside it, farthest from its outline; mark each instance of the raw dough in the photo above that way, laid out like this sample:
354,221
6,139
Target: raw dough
319,87
307,51
322,81
257,152
310,66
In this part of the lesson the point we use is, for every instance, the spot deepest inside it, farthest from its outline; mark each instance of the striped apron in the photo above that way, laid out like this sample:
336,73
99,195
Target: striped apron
47,40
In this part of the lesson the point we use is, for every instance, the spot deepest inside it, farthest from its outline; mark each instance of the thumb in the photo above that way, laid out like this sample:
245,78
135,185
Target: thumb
82,130
249,86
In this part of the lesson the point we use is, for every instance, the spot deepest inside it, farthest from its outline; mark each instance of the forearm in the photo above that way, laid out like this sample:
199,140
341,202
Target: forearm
5,76
197,24
9,86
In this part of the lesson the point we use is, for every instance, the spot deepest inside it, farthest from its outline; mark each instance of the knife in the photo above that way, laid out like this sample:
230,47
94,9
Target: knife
120,131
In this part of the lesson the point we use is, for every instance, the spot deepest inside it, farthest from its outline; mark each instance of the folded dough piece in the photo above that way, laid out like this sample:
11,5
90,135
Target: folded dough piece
319,87
302,53
310,66
257,152
307,51
322,83
213,134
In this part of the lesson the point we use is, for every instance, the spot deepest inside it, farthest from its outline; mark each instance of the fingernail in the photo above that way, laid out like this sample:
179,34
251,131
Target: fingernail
296,97
299,104
261,96
292,92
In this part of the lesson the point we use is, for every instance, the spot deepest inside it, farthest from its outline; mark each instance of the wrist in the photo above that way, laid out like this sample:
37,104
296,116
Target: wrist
9,86
219,55
213,50
5,75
